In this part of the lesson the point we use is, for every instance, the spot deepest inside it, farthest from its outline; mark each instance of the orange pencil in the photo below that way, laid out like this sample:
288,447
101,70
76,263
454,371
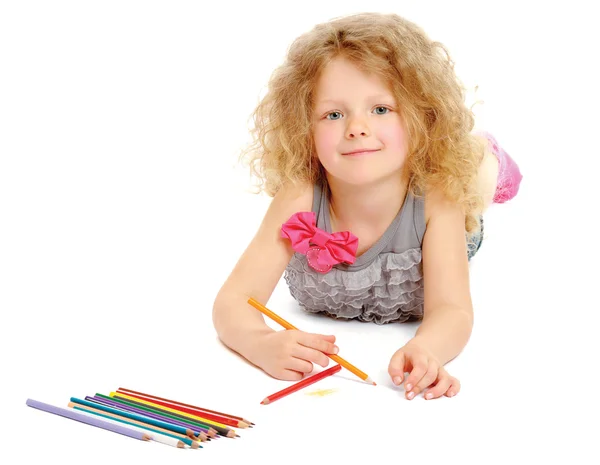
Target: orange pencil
361,374
301,384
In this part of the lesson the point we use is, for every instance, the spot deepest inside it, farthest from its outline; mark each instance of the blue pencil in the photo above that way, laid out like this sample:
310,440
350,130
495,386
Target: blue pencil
143,419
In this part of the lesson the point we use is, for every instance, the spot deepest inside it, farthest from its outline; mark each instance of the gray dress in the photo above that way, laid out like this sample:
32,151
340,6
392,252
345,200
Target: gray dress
383,285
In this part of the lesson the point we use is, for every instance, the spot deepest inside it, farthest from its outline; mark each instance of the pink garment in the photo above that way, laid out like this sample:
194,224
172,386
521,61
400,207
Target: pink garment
323,250
509,175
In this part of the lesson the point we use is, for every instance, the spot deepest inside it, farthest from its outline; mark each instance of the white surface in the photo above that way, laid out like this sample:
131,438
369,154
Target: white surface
121,213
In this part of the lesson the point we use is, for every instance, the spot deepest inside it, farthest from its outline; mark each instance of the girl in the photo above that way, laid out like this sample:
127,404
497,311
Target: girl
378,186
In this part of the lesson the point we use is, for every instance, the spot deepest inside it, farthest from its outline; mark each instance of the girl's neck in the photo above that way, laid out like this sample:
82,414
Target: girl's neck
365,207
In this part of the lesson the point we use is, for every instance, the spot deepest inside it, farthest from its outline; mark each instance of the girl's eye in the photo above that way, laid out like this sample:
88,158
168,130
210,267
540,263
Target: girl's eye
381,110
334,115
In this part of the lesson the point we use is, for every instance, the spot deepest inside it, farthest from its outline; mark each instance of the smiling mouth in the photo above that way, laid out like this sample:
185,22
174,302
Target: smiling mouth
359,153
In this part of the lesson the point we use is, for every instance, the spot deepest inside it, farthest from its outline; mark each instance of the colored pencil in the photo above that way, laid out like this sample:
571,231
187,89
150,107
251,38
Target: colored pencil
301,384
143,419
158,437
207,429
182,437
131,391
88,420
141,410
260,307
222,430
211,418
114,404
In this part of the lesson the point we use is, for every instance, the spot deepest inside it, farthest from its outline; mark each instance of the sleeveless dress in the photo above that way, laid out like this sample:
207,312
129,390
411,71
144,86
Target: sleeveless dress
383,285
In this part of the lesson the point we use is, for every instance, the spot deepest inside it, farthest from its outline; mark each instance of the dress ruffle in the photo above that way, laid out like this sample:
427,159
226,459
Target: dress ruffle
389,290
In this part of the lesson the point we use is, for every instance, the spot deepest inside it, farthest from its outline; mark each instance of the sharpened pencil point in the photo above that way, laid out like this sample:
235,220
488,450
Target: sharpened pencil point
370,381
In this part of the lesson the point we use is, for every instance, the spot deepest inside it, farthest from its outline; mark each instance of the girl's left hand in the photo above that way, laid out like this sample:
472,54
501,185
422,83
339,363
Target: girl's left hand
424,371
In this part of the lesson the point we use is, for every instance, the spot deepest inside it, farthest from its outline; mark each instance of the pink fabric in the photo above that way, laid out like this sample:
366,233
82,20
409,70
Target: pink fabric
323,250
509,175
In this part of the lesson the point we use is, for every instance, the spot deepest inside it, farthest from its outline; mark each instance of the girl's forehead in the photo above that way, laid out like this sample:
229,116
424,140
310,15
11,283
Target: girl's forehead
341,78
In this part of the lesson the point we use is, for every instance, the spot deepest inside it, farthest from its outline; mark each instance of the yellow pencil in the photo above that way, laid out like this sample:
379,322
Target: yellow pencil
229,431
361,374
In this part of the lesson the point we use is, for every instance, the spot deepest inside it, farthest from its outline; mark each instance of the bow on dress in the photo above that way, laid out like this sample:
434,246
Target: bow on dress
322,249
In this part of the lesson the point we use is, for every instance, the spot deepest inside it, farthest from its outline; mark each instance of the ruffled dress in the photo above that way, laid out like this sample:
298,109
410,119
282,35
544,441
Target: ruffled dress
382,285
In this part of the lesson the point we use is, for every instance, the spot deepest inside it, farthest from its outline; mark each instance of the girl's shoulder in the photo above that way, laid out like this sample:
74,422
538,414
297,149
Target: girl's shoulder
292,198
437,203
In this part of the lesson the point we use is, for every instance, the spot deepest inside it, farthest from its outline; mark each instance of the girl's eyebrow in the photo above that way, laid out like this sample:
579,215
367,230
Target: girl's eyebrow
341,102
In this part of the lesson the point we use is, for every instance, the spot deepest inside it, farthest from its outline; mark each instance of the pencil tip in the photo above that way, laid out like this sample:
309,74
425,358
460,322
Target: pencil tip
237,436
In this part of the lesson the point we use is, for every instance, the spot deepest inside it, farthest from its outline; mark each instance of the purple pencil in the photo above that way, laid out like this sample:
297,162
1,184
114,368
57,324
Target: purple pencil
156,416
67,413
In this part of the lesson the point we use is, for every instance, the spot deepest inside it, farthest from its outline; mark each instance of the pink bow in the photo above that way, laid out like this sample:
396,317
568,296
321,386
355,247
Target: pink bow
323,250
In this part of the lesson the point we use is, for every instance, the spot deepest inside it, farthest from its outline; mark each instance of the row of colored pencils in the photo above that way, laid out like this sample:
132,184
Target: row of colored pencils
149,418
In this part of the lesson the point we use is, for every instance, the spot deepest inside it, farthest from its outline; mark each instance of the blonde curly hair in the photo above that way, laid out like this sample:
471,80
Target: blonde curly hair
442,151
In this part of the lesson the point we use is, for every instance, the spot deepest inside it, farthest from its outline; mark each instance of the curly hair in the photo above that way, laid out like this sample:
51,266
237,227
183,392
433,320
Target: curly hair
442,151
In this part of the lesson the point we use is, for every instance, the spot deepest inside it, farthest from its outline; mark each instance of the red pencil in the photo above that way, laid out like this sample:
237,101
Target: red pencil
199,411
301,384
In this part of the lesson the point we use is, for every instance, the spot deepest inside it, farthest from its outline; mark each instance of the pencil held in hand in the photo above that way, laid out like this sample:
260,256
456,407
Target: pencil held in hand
301,384
260,307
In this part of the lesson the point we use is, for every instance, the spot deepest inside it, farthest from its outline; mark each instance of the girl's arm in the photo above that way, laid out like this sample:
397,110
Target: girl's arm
448,310
257,272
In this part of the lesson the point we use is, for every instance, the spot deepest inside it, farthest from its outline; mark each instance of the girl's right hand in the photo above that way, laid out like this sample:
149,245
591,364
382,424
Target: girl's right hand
289,354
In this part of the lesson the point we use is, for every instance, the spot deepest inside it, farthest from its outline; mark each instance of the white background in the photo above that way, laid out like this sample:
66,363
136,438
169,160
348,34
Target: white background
122,211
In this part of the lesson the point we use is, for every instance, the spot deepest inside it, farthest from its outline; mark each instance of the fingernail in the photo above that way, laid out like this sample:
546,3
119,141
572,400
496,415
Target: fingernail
397,380
336,349
429,395
408,387
411,395
450,394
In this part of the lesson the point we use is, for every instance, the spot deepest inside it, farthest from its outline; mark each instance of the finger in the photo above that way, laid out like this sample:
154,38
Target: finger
428,379
454,387
311,355
419,367
396,367
289,375
318,342
299,365
441,387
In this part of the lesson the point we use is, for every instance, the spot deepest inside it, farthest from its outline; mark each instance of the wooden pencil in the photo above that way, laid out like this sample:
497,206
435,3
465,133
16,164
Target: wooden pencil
97,422
115,404
260,307
209,430
157,436
221,420
178,429
151,396
221,429
301,384
182,437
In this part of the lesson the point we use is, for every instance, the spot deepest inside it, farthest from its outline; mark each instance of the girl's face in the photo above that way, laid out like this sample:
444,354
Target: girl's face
359,134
